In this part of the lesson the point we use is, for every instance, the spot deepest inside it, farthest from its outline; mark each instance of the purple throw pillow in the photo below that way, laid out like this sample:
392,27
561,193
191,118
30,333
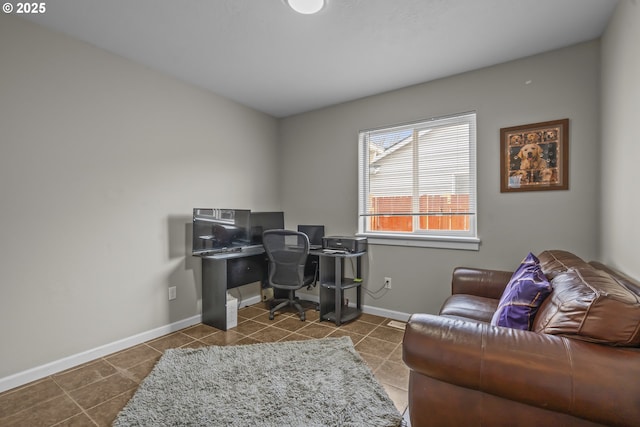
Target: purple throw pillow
523,295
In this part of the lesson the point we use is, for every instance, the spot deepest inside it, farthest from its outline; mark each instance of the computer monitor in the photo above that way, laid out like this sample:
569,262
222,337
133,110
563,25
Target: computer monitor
219,230
263,221
315,233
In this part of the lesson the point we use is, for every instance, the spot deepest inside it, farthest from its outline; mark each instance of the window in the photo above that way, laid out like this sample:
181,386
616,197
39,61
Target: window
417,183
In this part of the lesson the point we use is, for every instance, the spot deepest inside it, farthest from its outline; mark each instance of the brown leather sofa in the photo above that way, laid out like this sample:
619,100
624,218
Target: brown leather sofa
578,366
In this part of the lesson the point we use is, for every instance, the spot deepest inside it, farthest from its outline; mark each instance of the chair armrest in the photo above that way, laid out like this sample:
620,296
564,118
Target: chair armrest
587,380
479,282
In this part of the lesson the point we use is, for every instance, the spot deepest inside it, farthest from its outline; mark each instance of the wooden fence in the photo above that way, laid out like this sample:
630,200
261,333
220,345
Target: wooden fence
441,212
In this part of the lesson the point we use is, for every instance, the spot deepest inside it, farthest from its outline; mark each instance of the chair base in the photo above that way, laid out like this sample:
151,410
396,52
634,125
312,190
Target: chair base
293,301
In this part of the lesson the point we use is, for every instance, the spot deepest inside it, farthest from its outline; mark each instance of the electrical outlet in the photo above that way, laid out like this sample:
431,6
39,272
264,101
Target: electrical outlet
172,293
387,282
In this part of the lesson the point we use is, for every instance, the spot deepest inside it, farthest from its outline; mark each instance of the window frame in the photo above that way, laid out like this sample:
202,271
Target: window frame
447,239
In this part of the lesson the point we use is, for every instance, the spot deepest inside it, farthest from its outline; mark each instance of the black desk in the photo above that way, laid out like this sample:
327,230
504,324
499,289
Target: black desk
225,271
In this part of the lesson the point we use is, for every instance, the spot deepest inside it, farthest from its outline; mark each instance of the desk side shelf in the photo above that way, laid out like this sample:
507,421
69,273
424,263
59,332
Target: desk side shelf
347,314
333,284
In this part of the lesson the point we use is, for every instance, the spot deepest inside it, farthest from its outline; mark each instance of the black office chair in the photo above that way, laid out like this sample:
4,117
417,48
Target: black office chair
287,251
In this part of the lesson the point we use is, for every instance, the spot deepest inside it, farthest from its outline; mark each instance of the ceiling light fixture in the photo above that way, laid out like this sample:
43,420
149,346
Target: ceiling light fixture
306,7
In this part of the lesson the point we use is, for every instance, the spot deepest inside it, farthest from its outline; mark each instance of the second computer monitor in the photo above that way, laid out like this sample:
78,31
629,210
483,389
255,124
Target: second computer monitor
315,234
263,221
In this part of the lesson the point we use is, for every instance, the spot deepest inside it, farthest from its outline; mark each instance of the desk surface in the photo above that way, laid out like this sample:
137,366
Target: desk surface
259,249
243,252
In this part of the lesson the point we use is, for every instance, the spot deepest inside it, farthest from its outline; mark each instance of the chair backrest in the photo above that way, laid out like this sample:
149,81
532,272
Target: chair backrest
287,251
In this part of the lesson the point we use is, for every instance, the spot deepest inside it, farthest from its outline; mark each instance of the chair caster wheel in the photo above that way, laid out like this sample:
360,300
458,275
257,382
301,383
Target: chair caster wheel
302,318
270,316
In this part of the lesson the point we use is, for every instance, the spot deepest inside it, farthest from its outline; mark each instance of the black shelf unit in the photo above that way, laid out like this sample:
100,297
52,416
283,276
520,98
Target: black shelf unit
333,283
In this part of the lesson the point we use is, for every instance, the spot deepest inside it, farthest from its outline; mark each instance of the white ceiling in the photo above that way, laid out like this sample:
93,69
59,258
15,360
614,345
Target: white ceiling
263,55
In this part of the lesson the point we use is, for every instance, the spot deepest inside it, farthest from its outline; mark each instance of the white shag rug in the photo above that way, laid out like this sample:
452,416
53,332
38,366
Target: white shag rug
321,382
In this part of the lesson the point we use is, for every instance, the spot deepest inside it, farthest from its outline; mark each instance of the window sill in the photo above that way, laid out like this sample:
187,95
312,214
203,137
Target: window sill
462,243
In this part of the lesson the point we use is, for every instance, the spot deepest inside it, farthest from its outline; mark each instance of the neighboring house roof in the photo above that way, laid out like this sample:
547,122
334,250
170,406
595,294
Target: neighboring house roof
389,146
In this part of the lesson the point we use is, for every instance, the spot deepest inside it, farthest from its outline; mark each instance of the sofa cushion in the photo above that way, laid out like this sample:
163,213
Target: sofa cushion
469,307
590,305
626,281
554,262
524,293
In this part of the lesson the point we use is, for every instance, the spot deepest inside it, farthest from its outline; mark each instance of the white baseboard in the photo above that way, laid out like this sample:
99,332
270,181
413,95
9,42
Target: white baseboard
250,301
33,374
382,312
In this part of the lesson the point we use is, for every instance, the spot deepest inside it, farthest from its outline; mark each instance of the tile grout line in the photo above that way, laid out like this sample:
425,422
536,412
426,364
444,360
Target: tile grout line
82,410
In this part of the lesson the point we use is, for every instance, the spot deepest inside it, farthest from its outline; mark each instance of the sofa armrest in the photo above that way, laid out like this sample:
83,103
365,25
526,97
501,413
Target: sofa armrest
479,282
586,380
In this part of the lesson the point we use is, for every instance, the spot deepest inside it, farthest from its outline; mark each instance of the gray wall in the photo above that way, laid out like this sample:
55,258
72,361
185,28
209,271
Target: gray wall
101,163
319,183
620,146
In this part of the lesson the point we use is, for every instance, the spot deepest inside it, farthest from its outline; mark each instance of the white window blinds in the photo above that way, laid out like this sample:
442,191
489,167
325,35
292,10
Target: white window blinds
419,180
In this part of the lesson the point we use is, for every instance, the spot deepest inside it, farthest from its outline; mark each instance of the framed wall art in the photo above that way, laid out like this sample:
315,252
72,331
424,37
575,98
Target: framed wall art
535,157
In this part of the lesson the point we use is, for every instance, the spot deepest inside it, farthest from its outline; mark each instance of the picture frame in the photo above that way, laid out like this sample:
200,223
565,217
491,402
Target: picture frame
535,157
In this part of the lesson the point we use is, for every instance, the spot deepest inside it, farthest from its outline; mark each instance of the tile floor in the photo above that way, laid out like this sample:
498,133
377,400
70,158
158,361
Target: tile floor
92,394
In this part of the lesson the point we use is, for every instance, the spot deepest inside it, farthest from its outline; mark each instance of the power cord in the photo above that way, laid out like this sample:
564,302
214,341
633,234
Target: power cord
315,276
378,293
